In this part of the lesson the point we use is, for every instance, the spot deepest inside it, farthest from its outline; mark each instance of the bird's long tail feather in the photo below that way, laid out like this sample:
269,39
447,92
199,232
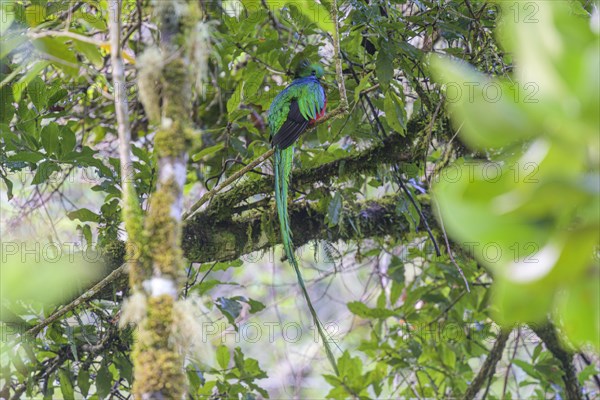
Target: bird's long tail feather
283,167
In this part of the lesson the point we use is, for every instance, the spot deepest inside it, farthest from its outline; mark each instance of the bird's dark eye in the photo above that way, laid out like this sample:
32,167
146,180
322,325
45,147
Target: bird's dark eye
314,72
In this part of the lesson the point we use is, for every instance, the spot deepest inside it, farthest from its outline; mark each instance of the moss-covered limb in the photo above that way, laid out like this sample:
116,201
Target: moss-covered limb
489,365
548,334
164,232
230,239
391,150
157,362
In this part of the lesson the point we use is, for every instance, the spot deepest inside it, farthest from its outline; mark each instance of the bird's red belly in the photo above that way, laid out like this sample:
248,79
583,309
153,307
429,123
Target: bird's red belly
320,114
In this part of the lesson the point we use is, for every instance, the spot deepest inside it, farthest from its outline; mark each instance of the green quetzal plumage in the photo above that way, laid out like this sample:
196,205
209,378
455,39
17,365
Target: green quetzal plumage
292,112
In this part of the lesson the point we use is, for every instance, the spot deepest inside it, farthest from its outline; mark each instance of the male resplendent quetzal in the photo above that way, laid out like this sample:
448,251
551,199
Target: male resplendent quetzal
292,112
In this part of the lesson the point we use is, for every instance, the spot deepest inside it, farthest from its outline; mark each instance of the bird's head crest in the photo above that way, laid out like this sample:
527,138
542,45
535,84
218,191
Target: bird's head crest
306,68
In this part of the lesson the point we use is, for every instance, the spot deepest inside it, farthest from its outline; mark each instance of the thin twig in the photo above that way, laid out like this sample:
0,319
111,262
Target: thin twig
121,106
88,295
207,196
460,271
338,58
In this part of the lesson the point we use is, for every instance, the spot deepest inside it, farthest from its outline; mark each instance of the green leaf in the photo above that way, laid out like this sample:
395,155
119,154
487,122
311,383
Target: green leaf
586,373
44,172
362,85
27,156
395,113
223,356
103,381
84,215
90,51
230,309
579,311
360,309
489,112
255,306
528,369
62,56
235,100
125,367
33,72
384,66
68,140
9,187
334,210
83,381
35,14
7,109
313,11
12,42
66,386
37,93
207,151
87,234
49,137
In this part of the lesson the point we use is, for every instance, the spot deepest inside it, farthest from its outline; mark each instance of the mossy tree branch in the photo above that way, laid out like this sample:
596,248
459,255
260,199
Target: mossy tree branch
548,334
229,233
489,365
392,150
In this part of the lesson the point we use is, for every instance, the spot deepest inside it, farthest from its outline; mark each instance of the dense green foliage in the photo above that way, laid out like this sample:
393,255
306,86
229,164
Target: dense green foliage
495,107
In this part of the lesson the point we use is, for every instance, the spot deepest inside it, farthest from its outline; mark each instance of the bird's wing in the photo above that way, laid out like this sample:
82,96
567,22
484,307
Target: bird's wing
304,108
292,127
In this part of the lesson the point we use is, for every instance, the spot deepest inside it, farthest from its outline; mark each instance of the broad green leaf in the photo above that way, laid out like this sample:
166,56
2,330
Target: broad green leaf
394,112
84,215
207,151
314,11
360,309
9,44
27,156
230,309
9,187
7,109
35,14
67,140
66,386
384,66
44,172
61,55
235,100
578,307
103,381
49,137
83,381
488,112
223,356
90,51
255,306
33,72
334,209
36,89
362,85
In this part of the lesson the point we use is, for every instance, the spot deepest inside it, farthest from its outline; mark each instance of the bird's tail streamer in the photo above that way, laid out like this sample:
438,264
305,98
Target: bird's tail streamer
283,168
